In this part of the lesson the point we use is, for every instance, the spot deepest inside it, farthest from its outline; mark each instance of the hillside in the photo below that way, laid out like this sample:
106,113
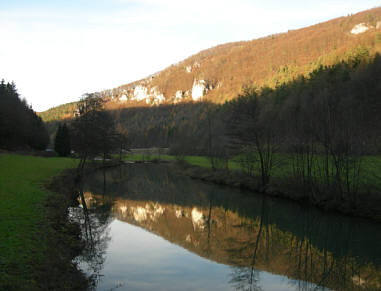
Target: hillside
218,74
222,71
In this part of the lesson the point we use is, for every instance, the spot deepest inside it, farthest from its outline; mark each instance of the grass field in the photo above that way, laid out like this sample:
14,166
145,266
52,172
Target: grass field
192,160
22,216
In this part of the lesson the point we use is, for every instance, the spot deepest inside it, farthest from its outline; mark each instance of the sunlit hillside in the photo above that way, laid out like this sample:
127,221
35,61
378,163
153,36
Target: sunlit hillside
219,73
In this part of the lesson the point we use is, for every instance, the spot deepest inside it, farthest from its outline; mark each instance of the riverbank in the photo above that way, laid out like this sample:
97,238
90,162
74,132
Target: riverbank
38,242
367,204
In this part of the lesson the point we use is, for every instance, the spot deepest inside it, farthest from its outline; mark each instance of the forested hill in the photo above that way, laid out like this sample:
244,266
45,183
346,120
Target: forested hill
219,73
222,71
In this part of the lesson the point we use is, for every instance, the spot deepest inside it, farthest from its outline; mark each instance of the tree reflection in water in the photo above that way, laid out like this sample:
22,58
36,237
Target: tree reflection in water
250,233
94,217
246,279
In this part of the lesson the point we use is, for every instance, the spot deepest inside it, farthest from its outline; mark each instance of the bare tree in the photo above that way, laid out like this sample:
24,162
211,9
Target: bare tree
249,129
93,130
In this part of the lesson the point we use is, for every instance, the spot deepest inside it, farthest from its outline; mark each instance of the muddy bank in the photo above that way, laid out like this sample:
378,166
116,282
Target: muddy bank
368,205
58,272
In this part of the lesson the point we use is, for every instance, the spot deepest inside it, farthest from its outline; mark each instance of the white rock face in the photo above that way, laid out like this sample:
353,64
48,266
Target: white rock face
359,28
154,91
198,89
155,96
378,26
178,96
159,99
123,98
197,219
188,69
140,93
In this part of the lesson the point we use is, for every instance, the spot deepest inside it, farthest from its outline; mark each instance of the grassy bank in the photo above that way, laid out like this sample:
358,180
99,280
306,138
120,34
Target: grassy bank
33,221
370,173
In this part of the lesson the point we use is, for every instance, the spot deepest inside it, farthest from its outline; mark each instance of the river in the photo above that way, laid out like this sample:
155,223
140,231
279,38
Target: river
148,228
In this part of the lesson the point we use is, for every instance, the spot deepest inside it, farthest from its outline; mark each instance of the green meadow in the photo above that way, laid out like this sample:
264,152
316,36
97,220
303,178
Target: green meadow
22,216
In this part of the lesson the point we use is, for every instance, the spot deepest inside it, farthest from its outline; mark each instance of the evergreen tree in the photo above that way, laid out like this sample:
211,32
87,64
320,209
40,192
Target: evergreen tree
66,140
58,140
62,141
20,126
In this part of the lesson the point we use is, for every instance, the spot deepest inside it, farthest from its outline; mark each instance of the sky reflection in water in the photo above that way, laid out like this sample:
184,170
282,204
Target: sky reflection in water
140,260
160,231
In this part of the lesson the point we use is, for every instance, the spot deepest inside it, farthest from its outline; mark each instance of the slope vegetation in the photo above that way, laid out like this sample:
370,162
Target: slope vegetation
218,74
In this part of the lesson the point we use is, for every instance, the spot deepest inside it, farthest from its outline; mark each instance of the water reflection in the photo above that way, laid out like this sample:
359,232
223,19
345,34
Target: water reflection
255,236
94,215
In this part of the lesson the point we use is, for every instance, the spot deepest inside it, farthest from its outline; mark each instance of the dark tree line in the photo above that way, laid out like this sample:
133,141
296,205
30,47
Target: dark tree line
325,124
20,126
185,128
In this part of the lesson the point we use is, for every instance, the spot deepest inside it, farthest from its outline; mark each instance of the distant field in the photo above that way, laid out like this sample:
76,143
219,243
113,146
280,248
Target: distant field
21,216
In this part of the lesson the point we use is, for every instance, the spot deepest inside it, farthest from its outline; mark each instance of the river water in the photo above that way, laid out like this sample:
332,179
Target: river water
148,228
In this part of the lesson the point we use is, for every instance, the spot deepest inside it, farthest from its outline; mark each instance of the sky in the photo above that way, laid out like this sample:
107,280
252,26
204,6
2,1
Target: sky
55,51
